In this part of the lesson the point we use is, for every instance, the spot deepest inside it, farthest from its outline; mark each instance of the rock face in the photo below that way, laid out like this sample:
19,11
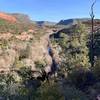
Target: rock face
8,17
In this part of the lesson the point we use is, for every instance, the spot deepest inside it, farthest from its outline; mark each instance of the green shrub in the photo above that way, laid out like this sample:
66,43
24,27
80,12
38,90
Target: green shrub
49,92
18,64
96,69
82,78
24,53
40,64
71,93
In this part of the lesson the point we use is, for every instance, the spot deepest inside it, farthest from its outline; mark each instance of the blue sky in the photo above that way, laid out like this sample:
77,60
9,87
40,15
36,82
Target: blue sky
51,10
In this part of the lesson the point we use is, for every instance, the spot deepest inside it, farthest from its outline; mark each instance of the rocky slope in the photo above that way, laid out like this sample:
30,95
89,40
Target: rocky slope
23,50
24,45
23,18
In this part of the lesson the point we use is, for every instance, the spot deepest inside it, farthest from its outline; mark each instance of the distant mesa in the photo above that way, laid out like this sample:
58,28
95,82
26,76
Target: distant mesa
45,23
70,22
8,17
67,22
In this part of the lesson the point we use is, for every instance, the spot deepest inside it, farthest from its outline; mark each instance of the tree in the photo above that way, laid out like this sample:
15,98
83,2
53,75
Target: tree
49,91
92,34
74,48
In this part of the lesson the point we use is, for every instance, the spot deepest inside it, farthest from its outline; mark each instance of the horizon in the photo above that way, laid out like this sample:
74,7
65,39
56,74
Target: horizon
43,20
50,10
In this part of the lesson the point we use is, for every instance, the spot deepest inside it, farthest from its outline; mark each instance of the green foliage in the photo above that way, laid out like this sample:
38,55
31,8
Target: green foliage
40,64
78,77
97,44
25,73
74,48
71,93
75,62
24,53
96,69
4,44
16,28
49,92
18,64
8,85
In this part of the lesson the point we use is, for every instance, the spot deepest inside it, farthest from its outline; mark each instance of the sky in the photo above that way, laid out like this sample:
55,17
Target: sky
51,10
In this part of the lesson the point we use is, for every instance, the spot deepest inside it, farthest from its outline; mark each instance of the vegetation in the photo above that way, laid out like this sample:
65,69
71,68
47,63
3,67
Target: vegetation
16,28
74,79
74,48
49,91
40,64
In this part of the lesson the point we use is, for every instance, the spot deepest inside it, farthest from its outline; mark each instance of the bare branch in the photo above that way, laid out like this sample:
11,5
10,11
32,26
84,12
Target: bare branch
92,9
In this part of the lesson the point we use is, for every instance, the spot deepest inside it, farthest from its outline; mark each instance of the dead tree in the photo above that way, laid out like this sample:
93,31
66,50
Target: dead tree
92,33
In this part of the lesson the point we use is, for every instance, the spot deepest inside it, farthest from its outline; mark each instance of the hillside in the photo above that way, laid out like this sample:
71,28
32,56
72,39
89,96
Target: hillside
48,61
8,17
23,39
15,23
23,18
